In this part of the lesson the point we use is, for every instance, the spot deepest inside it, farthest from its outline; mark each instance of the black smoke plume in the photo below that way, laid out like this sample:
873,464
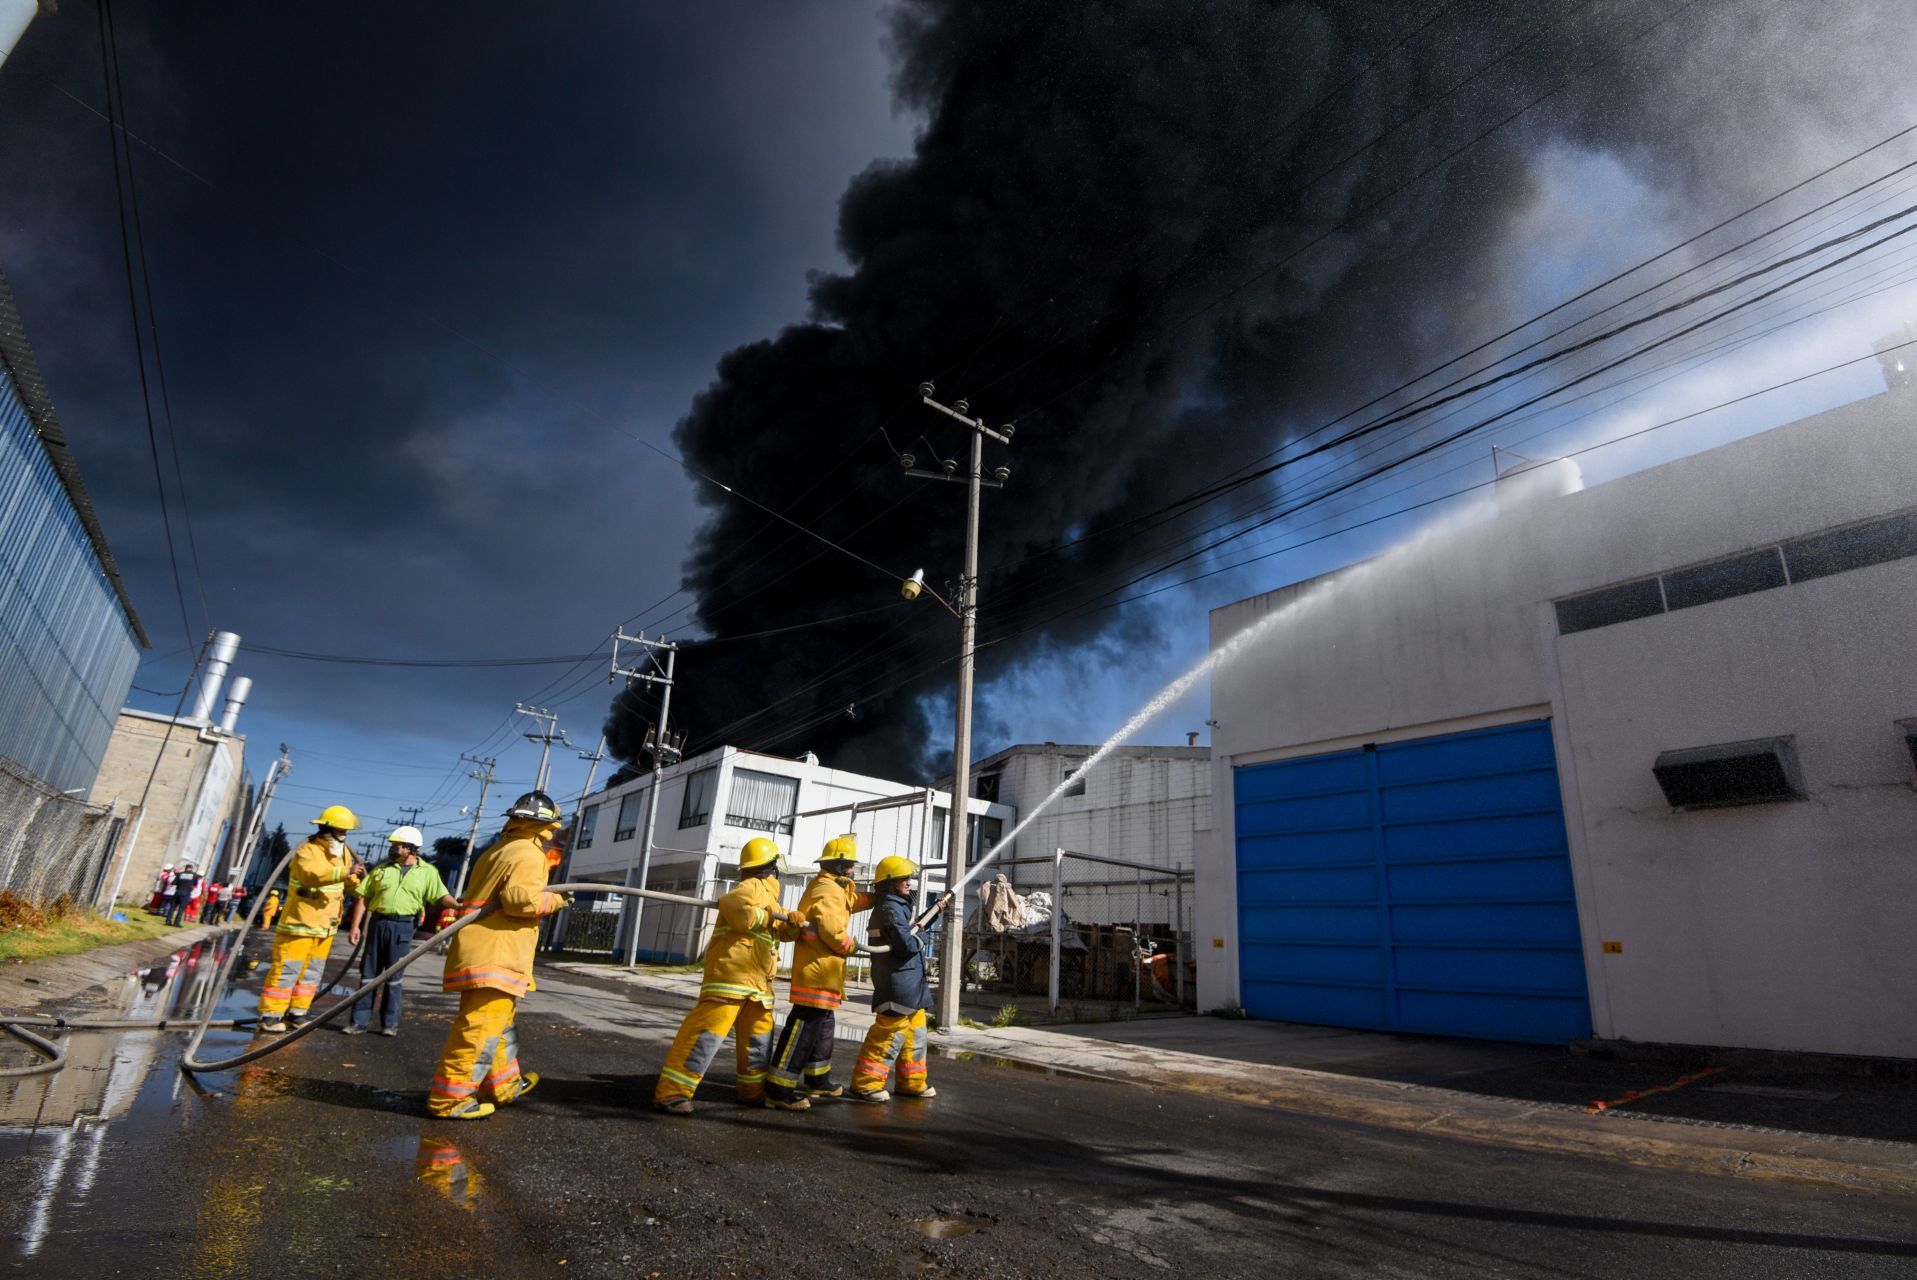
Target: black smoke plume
1101,233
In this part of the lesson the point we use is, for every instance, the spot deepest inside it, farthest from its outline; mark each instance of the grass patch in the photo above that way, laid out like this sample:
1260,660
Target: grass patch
1010,1015
61,928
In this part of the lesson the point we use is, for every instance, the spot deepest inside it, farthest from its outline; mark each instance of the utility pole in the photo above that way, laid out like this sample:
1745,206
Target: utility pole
545,740
484,776
951,963
556,938
408,815
661,744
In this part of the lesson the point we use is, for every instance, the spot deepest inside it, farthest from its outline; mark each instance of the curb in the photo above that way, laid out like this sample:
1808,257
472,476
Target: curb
1770,1154
24,987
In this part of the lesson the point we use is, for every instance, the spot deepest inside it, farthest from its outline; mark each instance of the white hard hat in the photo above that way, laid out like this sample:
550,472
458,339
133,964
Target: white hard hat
407,835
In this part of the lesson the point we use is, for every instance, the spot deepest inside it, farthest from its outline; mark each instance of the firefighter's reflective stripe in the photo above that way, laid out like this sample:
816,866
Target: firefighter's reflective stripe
293,973
700,1037
814,998
896,1042
507,980
481,1054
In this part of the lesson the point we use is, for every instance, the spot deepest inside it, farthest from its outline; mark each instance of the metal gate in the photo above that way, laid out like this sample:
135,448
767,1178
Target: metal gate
1412,886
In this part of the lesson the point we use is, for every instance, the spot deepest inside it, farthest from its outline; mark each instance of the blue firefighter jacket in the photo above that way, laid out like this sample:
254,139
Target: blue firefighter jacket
898,976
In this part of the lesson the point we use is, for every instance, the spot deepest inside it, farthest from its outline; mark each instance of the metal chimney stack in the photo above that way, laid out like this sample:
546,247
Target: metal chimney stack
225,645
235,699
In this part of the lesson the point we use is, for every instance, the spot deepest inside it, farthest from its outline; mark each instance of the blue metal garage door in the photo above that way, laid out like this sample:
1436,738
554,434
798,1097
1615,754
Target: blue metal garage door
1412,886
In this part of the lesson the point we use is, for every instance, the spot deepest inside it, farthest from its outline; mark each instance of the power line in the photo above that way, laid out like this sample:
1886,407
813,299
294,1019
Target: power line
133,307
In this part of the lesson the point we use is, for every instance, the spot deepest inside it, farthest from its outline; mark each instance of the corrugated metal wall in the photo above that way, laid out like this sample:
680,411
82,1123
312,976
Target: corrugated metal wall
67,653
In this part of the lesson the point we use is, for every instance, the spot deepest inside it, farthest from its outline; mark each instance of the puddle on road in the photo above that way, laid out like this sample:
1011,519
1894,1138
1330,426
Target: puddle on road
942,1228
443,1167
57,1125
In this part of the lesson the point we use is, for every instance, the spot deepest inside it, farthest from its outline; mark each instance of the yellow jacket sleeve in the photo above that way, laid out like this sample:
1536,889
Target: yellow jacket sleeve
523,892
830,916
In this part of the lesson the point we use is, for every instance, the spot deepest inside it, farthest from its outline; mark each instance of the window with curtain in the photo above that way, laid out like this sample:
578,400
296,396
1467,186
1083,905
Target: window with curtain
587,822
695,808
762,801
629,808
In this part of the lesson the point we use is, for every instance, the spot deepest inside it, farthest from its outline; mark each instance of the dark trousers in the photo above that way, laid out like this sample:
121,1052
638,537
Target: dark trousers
175,911
802,1059
387,939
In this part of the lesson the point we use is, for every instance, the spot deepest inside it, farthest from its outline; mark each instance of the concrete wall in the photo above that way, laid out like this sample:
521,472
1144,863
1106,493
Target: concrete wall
1775,926
1141,804
179,793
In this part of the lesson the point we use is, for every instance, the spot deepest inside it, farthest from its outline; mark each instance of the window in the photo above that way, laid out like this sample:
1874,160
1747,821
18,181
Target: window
628,815
1761,771
987,788
1611,605
587,822
1722,579
1066,768
983,834
695,809
1861,545
762,801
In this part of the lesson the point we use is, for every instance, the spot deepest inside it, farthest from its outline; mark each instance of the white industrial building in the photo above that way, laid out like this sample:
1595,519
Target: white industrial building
712,803
1145,805
1632,761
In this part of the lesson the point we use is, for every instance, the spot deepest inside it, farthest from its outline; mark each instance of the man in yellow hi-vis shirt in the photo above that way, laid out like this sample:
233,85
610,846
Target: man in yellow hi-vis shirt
321,873
737,989
394,894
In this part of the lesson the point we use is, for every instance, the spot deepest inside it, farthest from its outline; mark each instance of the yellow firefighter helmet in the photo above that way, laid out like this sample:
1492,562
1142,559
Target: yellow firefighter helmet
843,848
338,817
896,868
758,852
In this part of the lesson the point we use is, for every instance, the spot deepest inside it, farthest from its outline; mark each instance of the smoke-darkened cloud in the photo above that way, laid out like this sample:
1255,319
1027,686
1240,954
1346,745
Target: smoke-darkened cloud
1165,238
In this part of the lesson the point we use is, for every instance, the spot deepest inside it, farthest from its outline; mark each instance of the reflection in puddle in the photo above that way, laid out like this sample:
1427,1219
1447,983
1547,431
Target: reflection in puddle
59,1122
443,1167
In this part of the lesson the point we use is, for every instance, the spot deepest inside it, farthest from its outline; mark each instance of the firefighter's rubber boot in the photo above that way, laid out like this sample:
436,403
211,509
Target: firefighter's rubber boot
869,1095
471,1109
676,1107
787,1104
526,1083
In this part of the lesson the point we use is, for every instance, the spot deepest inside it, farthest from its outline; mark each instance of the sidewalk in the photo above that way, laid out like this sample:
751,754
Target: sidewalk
1387,1081
33,982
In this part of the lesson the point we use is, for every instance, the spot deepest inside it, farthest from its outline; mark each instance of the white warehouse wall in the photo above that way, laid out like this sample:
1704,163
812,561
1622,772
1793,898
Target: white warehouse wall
1779,926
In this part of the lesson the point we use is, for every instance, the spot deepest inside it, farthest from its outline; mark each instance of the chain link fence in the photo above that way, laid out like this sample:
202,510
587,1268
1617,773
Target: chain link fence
1123,935
52,845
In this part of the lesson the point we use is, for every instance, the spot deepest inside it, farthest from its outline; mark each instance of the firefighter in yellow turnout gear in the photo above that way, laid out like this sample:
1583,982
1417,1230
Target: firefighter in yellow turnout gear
490,964
321,872
900,993
802,1060
736,992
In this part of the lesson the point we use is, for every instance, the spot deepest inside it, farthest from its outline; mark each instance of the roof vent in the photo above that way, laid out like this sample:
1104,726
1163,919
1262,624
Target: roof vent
1761,771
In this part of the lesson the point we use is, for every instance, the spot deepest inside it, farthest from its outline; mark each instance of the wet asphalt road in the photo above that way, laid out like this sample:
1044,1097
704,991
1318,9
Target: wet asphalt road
320,1161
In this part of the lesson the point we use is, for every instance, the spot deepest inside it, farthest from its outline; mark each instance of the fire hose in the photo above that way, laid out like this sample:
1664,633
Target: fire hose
15,1025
